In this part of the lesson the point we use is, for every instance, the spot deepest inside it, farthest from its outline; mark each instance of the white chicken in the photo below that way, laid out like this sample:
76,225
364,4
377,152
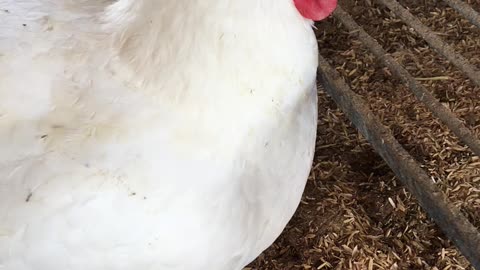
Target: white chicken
153,134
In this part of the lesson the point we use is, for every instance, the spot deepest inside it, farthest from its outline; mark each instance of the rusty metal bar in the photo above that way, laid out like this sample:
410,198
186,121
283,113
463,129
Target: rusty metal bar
467,11
449,218
422,94
431,38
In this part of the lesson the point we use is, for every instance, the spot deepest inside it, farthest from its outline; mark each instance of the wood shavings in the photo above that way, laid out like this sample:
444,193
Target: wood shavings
357,216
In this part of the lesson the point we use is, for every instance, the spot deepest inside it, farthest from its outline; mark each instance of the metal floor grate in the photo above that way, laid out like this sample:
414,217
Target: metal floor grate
448,217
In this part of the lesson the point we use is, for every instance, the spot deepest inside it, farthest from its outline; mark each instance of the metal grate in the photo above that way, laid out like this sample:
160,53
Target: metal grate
448,217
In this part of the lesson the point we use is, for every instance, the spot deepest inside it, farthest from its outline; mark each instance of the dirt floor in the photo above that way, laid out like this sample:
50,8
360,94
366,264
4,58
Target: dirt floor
355,214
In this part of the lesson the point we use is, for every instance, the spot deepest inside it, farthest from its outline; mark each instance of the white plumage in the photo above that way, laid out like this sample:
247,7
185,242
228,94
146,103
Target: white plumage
151,134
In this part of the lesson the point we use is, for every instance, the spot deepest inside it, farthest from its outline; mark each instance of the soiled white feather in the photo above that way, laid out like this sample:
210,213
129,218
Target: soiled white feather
151,134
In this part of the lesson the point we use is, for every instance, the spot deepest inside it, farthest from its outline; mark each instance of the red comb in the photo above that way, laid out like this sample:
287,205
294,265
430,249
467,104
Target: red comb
315,9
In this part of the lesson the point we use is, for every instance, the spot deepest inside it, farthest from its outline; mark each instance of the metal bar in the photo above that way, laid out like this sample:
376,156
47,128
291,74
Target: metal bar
441,47
449,218
467,11
422,94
